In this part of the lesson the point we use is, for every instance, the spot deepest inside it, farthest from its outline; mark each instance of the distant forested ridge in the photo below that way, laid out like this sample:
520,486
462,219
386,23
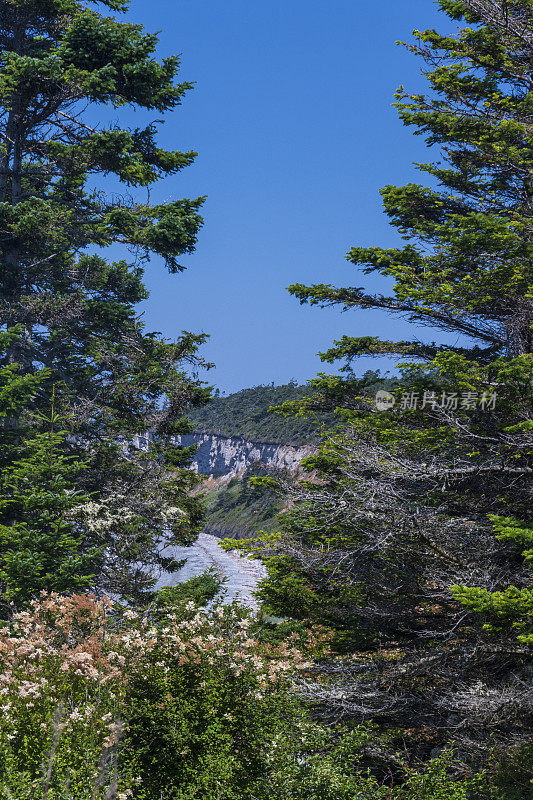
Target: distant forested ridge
246,414
249,414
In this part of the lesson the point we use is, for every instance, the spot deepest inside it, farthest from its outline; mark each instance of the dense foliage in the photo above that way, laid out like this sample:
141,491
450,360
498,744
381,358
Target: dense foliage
399,586
173,703
40,544
246,414
74,308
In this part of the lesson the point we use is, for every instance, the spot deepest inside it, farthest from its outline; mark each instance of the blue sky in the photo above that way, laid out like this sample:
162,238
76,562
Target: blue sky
291,116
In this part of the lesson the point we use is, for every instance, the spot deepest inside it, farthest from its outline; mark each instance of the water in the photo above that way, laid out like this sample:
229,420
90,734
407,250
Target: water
242,574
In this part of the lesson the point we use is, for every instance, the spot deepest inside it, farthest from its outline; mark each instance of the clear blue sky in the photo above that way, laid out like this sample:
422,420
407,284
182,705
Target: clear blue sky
291,116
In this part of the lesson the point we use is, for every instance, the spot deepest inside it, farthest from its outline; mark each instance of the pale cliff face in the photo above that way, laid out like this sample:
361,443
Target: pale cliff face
219,455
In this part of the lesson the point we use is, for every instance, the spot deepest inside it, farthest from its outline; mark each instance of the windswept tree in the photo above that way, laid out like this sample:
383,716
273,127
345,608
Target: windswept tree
415,543
64,67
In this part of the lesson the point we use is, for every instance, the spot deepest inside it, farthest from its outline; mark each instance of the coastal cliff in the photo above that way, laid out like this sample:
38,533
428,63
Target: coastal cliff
238,438
232,455
235,507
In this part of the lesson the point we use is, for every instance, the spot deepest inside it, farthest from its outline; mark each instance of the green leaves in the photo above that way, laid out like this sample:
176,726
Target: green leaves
40,547
109,61
469,255
132,155
513,606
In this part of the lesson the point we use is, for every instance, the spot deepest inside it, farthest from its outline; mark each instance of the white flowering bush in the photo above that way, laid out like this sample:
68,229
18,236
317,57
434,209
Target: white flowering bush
204,710
61,690
173,703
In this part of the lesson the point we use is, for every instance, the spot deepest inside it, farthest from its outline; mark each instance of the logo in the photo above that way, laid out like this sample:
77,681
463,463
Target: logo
384,400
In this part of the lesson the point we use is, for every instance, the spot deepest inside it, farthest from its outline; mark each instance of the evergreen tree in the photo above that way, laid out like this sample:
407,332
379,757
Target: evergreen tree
60,61
415,543
40,542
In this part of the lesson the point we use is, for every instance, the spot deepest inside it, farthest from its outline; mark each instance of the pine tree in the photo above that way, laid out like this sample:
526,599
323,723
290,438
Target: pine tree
60,61
416,541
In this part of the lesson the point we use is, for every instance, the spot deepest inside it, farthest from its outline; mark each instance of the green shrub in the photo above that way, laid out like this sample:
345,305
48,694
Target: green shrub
200,588
172,703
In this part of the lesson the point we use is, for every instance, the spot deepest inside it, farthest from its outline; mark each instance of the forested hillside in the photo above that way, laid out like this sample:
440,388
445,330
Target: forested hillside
246,414
238,508
249,413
